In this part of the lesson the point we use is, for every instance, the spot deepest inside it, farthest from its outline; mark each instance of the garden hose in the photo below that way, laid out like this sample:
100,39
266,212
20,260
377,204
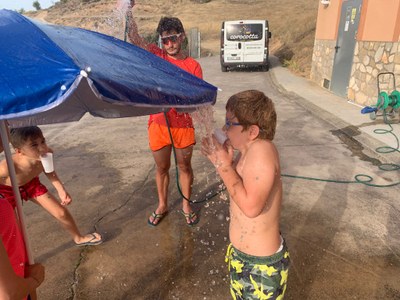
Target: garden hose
362,178
388,149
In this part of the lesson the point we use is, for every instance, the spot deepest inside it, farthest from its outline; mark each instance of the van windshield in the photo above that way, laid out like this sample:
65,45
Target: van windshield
244,32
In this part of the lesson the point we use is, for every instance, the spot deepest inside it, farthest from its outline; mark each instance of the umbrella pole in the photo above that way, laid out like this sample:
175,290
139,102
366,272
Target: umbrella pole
14,183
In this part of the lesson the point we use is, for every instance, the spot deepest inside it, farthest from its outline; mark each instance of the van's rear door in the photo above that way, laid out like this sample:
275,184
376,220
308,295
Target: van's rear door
254,45
244,41
233,44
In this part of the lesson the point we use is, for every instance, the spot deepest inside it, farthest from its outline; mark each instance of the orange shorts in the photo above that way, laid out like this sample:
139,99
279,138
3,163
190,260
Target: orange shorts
159,137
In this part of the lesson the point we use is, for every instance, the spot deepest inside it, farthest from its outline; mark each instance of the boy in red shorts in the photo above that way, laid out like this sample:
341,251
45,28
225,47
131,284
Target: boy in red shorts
29,145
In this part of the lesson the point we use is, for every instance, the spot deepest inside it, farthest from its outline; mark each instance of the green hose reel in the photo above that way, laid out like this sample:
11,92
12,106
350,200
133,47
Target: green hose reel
387,104
385,100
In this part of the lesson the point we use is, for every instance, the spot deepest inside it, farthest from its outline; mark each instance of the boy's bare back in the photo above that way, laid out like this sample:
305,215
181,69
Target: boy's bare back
254,229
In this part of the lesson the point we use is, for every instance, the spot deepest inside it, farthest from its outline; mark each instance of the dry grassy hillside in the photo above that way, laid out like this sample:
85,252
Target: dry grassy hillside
292,22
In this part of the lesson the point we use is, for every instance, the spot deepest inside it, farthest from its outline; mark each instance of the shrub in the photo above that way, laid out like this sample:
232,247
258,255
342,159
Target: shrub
36,5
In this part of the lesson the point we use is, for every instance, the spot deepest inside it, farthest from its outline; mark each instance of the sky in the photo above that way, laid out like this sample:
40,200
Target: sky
25,4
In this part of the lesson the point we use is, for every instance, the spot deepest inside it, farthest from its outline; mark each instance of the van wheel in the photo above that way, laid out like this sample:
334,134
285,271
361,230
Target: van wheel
224,69
265,68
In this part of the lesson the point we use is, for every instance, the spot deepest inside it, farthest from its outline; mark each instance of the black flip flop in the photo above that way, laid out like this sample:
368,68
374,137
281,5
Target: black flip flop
155,217
190,216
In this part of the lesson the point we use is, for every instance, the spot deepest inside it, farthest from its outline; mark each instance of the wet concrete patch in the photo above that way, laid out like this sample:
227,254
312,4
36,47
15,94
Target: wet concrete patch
346,136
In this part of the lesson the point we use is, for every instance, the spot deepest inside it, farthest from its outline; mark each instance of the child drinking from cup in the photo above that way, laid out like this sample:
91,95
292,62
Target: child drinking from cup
30,144
258,258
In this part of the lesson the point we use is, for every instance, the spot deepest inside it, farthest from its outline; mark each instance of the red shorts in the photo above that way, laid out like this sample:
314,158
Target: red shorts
159,137
11,236
29,190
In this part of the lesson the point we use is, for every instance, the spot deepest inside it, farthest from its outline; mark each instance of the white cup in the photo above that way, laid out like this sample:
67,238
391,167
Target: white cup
220,135
47,162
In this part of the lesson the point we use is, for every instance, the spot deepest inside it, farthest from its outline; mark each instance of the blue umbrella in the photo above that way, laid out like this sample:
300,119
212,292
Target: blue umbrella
52,74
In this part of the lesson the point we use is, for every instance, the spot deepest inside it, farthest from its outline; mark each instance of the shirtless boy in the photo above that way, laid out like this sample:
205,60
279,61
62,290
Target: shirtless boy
29,144
257,257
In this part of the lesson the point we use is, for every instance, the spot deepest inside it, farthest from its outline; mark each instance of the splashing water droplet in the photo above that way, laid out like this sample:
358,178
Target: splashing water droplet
203,118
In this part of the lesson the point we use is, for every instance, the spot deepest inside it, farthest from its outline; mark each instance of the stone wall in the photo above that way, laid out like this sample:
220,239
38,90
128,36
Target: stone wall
370,59
322,62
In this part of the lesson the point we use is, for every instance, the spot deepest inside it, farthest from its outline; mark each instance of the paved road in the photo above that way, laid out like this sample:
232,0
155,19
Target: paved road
344,238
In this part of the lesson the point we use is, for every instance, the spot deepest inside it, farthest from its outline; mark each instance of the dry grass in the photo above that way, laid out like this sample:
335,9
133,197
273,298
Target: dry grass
292,22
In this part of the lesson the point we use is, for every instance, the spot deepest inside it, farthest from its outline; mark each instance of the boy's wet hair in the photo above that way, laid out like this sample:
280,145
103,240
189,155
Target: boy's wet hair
253,107
20,136
170,24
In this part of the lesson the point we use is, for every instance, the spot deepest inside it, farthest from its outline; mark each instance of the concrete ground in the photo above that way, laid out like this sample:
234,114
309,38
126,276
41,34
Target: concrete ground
344,238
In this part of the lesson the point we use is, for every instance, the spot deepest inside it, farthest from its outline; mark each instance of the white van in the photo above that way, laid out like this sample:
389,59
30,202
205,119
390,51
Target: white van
245,43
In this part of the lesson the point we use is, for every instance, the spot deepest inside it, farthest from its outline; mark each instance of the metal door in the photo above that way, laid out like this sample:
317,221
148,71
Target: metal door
345,44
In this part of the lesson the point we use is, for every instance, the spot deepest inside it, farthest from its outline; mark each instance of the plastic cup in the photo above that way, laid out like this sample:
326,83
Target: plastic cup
47,162
220,135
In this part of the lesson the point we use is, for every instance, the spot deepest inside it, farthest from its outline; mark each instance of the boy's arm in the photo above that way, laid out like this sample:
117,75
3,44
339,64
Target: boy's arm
4,175
133,32
1,141
13,286
62,193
